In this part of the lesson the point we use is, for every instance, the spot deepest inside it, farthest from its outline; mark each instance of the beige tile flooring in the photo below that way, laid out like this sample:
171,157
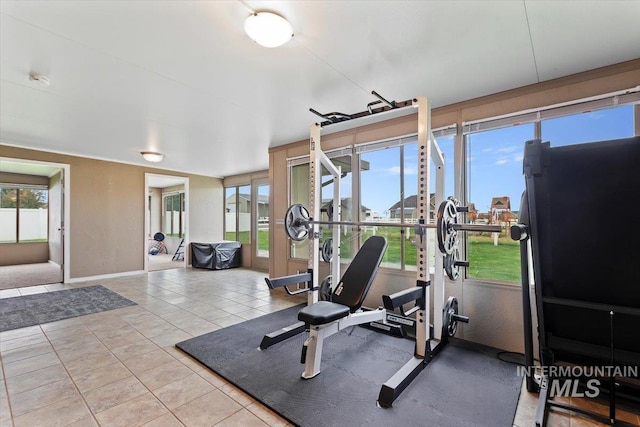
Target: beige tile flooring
120,367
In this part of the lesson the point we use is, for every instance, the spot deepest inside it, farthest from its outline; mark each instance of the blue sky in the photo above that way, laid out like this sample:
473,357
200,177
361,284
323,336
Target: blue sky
494,157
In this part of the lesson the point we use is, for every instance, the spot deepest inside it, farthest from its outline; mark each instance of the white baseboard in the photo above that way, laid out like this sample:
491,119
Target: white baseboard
105,276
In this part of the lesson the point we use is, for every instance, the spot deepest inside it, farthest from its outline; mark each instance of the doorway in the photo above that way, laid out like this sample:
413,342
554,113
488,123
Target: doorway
166,221
35,211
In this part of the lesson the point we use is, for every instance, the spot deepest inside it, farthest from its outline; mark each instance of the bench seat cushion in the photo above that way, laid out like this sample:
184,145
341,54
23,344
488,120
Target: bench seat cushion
322,312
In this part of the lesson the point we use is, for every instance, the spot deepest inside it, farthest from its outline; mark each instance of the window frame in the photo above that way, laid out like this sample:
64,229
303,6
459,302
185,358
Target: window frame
19,188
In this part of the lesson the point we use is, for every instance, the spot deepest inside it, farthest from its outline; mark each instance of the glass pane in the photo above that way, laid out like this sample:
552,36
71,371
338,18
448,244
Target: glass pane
183,224
8,215
33,212
262,221
446,145
300,194
381,199
591,126
244,214
495,185
230,208
175,216
168,208
347,236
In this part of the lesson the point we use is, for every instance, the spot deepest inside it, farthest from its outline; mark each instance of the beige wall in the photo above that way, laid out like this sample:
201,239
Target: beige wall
495,309
107,211
23,253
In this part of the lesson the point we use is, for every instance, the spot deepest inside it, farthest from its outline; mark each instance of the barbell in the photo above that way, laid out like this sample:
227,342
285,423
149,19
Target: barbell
297,224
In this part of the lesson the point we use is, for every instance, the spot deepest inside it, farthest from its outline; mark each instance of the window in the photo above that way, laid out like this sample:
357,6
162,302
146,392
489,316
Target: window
495,185
388,193
590,126
24,214
382,199
262,221
490,174
174,224
340,159
299,193
238,214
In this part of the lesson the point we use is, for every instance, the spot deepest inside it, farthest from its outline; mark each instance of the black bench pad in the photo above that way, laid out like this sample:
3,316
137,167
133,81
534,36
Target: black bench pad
322,312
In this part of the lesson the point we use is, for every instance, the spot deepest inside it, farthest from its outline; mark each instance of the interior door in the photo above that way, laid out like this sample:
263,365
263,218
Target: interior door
56,220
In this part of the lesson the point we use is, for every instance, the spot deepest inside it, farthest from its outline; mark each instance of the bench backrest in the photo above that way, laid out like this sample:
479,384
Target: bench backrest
357,279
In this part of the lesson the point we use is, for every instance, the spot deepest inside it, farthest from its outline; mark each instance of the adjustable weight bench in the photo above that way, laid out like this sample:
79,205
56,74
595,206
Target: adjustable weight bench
325,318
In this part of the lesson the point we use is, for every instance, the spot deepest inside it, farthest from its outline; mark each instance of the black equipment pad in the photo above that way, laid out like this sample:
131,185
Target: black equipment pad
464,385
323,312
588,246
357,279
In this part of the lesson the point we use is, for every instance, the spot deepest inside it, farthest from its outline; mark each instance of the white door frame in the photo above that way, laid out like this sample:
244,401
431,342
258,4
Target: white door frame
185,182
66,206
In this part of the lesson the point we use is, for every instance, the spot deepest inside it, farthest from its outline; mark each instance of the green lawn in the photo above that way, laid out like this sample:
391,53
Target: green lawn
245,237
486,261
501,262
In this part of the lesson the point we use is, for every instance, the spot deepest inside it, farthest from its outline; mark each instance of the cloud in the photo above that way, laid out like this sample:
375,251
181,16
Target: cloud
501,161
393,170
507,149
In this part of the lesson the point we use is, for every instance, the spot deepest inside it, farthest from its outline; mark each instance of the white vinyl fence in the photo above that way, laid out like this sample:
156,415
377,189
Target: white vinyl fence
33,224
244,222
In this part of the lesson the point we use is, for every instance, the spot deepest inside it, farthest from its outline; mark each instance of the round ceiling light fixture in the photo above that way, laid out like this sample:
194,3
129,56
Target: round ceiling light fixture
152,156
268,29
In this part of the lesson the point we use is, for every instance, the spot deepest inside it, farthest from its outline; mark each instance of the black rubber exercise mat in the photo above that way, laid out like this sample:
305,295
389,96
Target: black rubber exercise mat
465,384
29,310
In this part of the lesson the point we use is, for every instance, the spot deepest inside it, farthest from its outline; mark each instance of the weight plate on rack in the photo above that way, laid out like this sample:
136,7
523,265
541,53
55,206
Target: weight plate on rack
327,250
449,322
296,222
450,266
447,235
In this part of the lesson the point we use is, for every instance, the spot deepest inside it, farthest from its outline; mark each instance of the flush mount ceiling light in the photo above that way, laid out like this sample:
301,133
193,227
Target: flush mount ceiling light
152,156
268,29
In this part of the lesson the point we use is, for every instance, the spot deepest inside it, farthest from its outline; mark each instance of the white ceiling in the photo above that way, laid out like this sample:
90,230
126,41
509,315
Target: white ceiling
182,77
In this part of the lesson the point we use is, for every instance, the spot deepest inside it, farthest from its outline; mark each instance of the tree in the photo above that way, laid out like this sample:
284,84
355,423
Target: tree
29,198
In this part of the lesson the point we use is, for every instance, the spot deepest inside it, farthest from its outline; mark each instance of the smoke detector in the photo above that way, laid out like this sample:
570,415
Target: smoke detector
39,79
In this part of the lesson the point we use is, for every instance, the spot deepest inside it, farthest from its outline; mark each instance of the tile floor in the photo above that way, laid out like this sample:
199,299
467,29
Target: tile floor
120,368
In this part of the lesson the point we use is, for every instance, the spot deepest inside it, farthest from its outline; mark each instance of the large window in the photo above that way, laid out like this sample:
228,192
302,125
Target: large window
589,126
238,214
174,221
388,193
299,193
382,198
495,181
495,185
24,214
491,181
262,221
